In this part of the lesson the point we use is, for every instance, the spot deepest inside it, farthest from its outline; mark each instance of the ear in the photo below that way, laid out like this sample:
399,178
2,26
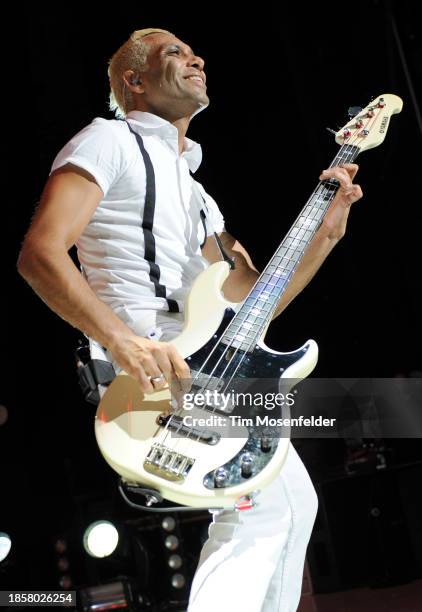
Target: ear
133,81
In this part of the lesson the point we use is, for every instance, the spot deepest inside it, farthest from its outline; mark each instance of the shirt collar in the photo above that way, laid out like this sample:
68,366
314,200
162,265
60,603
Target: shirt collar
148,123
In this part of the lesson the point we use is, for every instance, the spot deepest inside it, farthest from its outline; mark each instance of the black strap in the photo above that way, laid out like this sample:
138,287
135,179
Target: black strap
217,238
204,224
147,225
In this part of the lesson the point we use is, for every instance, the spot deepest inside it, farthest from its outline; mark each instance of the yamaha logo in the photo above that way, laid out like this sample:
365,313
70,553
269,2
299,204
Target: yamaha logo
383,125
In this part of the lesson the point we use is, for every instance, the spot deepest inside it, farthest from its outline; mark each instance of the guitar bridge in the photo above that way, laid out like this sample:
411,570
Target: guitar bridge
167,463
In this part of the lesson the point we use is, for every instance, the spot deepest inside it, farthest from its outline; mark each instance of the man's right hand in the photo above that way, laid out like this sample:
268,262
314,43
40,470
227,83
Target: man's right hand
145,359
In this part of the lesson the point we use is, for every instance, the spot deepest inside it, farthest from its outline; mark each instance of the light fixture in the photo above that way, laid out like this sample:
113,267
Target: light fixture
175,561
100,539
5,545
178,581
168,523
171,542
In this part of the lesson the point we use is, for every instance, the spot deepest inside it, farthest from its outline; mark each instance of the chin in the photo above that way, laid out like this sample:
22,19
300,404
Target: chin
203,100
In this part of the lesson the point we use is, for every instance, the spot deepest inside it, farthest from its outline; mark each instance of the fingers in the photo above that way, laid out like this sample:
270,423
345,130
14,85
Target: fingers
157,364
352,169
341,174
180,367
344,175
353,195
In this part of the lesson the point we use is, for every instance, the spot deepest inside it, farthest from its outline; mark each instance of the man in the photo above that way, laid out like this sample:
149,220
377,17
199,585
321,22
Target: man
122,191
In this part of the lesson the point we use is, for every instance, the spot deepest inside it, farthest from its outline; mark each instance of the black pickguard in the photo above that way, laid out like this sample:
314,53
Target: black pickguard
259,363
214,359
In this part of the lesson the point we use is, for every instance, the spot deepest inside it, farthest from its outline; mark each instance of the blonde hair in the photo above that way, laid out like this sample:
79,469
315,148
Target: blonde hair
132,55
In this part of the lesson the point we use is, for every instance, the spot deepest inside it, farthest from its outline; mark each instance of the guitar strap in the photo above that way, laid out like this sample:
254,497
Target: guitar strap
206,218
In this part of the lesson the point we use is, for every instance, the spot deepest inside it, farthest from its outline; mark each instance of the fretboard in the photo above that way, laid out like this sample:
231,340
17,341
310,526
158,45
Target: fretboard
257,310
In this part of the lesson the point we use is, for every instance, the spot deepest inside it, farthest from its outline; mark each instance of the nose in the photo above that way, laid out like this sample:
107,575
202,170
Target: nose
197,62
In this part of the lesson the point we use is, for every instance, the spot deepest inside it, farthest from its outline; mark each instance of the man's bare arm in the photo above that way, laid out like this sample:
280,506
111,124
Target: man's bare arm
68,202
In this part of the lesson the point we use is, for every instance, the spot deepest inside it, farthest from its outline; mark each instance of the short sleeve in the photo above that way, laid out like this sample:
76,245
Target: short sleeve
215,219
98,150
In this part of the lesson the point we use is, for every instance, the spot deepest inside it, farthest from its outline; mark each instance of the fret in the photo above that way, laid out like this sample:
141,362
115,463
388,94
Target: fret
256,316
306,221
293,242
251,302
262,295
242,337
250,327
301,233
276,271
268,278
288,264
243,346
279,276
259,316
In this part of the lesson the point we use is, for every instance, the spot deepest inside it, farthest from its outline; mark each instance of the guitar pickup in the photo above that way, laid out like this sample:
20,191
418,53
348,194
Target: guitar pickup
175,423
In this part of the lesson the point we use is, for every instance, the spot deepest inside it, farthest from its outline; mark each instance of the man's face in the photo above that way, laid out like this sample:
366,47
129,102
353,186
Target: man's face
174,80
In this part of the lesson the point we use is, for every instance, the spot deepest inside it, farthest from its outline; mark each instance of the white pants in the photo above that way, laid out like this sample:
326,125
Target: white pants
253,560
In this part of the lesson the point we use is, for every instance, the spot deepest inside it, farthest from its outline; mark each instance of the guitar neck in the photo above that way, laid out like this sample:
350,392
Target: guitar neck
257,310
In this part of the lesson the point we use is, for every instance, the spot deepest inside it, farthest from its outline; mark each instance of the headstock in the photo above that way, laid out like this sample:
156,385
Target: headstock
368,128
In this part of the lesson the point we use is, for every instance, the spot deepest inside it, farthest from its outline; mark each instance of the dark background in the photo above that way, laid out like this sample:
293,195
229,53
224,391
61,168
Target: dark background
278,74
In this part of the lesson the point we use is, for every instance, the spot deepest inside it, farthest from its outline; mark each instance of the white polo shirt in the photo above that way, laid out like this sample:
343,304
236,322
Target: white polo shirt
111,248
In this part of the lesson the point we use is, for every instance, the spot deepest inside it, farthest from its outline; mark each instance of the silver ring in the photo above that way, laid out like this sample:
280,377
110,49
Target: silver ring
154,379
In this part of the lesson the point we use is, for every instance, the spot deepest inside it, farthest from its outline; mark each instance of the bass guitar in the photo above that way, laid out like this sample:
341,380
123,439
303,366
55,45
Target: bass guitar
178,449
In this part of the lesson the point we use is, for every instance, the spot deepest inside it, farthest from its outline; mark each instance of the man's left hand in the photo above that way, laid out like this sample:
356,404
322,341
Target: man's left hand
335,219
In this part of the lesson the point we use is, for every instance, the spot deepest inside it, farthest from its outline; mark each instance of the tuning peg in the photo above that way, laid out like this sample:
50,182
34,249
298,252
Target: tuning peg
331,130
353,111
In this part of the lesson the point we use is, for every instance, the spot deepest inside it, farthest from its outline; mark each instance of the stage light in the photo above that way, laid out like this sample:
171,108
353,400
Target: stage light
60,545
65,582
100,539
168,523
178,581
175,561
63,564
171,542
5,545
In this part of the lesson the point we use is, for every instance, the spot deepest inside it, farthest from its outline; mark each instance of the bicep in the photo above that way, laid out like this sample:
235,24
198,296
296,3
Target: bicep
67,204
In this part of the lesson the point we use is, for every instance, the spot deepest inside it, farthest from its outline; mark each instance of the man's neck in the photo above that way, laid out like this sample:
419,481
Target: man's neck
182,127
181,123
